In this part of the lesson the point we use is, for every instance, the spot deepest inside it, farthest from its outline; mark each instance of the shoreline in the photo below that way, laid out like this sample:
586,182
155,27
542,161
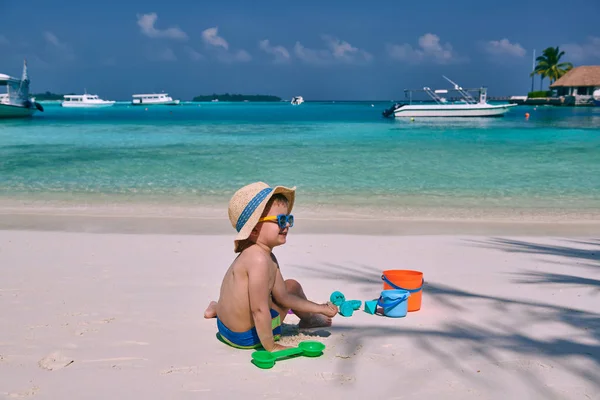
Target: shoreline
119,214
212,222
216,207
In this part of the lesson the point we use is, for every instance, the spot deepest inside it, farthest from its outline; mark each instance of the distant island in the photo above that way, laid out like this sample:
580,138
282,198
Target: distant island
48,96
237,97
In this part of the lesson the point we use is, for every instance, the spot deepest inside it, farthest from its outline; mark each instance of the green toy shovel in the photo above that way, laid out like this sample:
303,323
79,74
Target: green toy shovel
264,359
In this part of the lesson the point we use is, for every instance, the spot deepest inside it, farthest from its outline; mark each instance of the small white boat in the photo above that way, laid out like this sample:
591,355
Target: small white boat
596,97
297,100
85,101
467,107
153,99
16,102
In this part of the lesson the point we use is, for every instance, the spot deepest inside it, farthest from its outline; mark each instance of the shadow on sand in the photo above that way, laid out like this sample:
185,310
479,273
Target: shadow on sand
582,342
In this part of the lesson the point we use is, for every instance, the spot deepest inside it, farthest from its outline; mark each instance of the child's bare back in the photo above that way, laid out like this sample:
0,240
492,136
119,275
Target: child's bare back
254,298
233,307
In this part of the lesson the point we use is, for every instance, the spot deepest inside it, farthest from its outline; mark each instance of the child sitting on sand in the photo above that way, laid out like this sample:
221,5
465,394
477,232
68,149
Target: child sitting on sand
254,298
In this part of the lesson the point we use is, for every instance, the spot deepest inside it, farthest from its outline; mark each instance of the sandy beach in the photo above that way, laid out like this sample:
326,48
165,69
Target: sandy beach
97,313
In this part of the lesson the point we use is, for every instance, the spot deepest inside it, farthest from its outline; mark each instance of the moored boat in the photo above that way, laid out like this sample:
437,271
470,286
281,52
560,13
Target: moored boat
85,101
441,107
153,99
16,102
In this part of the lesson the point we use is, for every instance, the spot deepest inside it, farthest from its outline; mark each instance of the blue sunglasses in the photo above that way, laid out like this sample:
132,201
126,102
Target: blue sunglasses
282,220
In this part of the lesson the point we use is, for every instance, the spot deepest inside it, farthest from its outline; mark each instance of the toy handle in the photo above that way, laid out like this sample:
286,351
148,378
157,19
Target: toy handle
287,352
392,284
391,304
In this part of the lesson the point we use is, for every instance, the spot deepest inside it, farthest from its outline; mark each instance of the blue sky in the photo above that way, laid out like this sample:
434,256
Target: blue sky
318,49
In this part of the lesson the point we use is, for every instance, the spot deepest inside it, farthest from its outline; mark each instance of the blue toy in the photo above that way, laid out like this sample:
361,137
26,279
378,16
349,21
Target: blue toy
348,307
394,302
337,298
371,306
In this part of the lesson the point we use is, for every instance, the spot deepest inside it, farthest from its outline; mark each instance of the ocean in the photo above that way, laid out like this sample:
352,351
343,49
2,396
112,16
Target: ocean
338,154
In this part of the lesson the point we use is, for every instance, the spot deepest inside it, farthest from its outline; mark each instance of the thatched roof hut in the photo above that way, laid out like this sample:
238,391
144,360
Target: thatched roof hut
580,83
586,75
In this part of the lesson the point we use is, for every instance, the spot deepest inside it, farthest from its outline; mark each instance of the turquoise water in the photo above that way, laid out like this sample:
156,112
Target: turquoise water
333,152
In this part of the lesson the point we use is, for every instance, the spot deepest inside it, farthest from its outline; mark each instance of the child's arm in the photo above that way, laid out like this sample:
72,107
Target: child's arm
258,293
288,300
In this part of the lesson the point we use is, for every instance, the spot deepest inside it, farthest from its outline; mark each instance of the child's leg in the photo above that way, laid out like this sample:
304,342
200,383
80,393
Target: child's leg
307,320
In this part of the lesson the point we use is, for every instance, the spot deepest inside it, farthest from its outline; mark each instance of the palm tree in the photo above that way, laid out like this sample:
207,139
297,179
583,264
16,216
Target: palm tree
549,65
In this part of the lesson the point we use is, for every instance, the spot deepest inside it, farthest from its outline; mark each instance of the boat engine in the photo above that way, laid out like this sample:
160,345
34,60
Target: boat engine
390,111
32,104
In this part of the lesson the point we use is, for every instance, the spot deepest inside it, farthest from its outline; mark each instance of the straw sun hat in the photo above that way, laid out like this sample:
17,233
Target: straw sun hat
247,205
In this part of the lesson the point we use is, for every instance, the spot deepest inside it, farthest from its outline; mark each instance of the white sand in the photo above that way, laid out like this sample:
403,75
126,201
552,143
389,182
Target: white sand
115,316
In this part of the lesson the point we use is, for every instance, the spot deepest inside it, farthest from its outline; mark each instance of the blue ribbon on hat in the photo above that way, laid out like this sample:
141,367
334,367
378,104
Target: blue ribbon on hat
251,207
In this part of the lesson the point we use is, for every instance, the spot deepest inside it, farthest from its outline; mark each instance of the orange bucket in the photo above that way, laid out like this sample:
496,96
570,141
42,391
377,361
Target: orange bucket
407,280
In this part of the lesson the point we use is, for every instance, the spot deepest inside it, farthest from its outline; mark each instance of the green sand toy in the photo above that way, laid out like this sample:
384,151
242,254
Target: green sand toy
265,360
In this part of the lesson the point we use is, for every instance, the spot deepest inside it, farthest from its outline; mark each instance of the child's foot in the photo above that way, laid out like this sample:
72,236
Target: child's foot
315,321
211,310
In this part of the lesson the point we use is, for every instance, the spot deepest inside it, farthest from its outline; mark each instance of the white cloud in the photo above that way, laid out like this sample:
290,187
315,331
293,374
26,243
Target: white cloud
219,45
193,54
4,40
337,51
581,52
58,46
242,55
234,56
146,23
211,37
52,39
429,49
344,51
311,56
280,53
504,47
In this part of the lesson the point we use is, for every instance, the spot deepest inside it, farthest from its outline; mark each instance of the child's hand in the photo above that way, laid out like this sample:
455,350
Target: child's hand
329,309
278,347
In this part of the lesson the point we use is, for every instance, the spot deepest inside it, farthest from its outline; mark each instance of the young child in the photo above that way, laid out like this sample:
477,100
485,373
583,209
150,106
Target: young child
254,298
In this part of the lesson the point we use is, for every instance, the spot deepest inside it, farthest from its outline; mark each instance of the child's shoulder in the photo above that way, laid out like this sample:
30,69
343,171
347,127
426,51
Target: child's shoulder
255,256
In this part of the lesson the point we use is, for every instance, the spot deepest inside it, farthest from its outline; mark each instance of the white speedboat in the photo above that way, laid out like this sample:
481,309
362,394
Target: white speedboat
466,107
297,100
153,99
85,101
16,102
